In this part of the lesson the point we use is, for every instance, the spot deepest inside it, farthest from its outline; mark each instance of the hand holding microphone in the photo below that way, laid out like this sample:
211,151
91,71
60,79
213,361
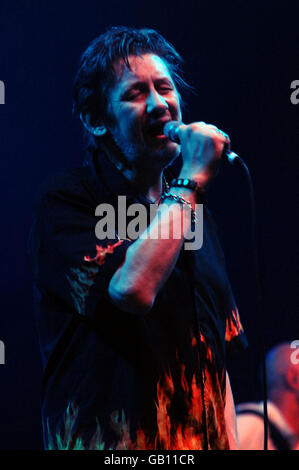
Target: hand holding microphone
203,145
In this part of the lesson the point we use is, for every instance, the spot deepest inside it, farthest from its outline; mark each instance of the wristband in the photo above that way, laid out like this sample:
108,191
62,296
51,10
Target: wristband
184,183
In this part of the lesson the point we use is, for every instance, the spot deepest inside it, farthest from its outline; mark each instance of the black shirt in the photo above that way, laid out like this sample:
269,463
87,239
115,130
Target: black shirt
114,380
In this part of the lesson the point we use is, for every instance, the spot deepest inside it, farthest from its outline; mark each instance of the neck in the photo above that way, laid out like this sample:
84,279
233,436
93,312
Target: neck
148,183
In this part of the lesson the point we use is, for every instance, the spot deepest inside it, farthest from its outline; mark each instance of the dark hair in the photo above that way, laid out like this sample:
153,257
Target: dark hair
96,73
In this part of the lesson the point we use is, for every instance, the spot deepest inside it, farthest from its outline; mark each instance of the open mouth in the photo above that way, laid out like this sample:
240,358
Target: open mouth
156,131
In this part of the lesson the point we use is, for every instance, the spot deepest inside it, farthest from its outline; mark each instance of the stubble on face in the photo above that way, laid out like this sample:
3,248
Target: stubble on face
129,120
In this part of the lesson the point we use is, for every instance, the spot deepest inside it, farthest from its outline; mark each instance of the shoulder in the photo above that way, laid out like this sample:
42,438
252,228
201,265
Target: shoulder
73,181
250,414
75,187
66,201
250,407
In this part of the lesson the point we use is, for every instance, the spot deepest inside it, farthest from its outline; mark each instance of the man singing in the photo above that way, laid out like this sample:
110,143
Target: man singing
134,332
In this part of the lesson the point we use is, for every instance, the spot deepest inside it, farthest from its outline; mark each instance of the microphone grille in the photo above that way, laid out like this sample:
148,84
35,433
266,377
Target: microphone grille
171,129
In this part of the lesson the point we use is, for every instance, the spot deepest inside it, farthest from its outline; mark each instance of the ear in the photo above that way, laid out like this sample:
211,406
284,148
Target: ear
95,130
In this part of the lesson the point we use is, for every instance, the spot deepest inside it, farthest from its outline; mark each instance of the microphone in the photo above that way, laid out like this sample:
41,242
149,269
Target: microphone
171,131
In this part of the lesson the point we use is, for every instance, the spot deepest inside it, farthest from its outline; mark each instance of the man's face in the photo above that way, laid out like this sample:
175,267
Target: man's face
140,102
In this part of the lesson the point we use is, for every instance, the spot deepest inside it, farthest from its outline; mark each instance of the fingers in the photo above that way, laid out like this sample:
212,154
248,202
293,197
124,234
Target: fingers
224,135
202,148
206,129
219,132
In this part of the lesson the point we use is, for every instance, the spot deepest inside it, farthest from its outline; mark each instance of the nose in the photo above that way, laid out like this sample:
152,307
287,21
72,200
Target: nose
156,104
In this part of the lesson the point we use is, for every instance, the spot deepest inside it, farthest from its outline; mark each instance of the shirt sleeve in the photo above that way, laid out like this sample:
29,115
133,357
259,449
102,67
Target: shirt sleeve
71,266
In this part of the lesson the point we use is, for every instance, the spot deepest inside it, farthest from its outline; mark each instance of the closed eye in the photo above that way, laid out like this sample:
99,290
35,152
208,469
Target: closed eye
162,86
165,89
133,94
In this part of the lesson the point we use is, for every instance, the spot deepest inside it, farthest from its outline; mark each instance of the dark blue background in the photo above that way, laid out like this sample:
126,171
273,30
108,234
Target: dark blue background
241,57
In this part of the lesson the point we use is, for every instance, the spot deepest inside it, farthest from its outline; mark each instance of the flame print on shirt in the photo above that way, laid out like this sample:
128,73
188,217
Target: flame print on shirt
186,435
233,325
82,279
190,434
102,252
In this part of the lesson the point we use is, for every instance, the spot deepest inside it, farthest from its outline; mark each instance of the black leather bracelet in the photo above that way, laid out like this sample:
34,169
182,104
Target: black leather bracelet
183,183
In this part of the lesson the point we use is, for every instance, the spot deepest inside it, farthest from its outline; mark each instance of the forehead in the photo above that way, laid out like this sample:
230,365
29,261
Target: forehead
143,68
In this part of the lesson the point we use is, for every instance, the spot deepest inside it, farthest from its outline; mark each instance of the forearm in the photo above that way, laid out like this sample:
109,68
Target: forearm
151,259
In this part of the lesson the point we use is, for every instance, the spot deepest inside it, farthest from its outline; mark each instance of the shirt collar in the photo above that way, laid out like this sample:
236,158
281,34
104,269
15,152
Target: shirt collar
105,173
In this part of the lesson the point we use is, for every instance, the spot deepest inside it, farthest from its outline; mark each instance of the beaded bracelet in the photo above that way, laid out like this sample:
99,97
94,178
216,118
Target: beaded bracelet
181,200
189,184
184,183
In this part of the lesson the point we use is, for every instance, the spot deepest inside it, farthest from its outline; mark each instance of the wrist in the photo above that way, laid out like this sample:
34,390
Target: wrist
185,193
201,178
178,198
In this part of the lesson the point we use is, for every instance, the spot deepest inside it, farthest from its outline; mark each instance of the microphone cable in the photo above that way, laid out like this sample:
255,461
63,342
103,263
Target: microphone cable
171,130
238,161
